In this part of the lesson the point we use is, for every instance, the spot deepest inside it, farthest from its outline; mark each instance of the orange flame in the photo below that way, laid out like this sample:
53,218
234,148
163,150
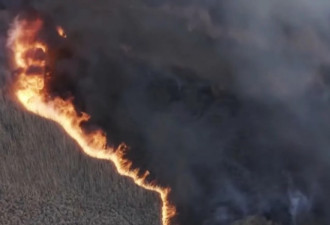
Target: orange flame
30,63
61,31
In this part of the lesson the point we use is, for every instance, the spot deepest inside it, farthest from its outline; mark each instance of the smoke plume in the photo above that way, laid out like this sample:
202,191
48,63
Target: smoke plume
226,102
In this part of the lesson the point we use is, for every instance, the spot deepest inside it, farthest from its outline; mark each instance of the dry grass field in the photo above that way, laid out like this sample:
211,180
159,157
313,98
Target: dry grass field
45,179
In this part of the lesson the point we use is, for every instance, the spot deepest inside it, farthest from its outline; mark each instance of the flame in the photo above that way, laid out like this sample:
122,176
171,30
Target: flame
61,31
29,56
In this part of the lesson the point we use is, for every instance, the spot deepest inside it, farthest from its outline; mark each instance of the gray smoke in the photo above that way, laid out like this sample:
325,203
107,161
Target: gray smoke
227,102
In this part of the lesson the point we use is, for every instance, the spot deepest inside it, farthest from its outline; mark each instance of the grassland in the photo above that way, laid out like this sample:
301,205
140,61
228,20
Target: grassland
45,179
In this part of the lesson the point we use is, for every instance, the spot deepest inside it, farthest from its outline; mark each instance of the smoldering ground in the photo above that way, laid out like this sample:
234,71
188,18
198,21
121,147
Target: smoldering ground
226,102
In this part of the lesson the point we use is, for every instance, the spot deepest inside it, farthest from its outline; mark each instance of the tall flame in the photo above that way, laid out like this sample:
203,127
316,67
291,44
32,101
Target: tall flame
29,56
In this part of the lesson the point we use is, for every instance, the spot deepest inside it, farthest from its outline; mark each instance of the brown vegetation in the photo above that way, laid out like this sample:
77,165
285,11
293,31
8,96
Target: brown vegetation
45,179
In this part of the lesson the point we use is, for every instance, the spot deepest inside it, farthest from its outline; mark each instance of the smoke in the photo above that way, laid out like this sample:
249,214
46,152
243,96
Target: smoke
226,102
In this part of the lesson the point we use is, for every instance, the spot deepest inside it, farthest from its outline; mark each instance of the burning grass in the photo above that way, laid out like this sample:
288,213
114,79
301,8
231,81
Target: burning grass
29,88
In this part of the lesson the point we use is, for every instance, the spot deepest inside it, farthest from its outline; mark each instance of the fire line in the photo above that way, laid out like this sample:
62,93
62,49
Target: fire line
29,62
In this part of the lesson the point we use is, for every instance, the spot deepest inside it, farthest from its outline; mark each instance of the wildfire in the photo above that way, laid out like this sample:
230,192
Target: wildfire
30,58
